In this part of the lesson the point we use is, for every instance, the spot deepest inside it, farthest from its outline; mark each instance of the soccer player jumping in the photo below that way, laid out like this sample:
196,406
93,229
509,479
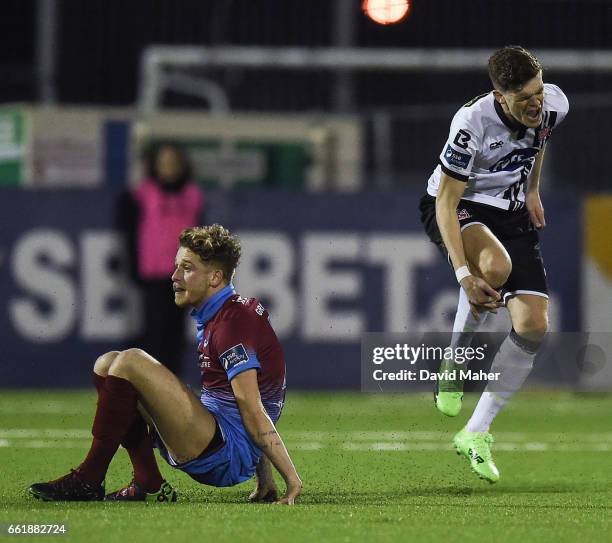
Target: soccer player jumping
483,210
222,438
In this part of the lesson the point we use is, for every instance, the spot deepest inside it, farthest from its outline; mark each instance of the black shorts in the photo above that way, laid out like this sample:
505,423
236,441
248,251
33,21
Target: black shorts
512,228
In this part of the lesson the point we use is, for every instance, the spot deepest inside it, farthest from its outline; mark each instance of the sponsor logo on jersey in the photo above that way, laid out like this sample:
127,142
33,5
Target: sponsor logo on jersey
455,158
515,160
463,214
205,342
496,145
234,356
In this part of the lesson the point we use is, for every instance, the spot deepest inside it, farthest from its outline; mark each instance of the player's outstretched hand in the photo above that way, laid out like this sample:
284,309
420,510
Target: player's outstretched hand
293,491
480,293
536,209
268,494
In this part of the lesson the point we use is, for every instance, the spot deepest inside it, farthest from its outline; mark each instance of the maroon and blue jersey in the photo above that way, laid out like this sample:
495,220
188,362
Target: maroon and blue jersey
235,335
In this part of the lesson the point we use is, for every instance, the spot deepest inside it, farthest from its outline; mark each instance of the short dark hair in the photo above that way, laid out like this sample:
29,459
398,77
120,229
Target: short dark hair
213,244
511,67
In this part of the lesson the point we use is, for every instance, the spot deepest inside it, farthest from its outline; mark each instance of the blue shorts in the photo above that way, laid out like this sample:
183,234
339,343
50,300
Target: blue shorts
233,463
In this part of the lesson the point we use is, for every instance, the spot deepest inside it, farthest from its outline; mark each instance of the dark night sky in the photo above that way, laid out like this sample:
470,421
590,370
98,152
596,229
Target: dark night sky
100,40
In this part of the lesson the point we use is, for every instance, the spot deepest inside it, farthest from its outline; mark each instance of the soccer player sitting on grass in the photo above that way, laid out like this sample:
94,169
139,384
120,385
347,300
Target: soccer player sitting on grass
222,438
483,209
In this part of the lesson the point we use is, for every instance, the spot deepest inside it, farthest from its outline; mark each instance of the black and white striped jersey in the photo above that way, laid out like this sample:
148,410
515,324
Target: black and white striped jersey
491,154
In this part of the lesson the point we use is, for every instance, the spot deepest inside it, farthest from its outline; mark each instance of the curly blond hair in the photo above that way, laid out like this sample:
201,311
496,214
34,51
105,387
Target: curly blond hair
213,244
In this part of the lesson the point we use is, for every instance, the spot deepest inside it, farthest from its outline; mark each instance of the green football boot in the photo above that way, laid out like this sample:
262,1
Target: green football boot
448,393
476,447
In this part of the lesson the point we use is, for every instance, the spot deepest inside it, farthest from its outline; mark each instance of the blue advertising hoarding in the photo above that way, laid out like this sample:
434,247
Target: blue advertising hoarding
329,267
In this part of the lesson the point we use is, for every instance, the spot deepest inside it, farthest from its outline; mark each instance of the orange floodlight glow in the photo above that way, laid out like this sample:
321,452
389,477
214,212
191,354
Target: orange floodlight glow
386,12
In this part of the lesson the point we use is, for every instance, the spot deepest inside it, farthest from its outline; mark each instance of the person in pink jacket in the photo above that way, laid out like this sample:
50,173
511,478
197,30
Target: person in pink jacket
152,215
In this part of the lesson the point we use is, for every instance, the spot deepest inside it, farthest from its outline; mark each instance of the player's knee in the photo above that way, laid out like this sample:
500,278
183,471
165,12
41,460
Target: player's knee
104,362
532,327
495,269
128,362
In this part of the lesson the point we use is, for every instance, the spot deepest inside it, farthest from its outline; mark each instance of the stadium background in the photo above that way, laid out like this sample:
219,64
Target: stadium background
318,169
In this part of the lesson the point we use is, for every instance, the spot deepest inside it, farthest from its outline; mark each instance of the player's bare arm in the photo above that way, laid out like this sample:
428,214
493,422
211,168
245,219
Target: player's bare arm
532,196
478,290
262,430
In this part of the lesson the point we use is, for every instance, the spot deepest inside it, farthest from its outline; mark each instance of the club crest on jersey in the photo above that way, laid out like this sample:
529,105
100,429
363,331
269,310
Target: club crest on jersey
463,214
234,356
455,158
544,134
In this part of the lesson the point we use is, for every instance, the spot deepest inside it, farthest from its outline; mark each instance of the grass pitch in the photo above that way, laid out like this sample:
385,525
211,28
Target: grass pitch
375,468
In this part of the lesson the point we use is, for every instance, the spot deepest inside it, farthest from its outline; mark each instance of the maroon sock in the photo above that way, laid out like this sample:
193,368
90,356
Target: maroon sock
115,414
139,446
98,381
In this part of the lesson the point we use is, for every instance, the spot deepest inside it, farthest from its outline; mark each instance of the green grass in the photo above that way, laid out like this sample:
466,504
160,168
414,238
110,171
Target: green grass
375,468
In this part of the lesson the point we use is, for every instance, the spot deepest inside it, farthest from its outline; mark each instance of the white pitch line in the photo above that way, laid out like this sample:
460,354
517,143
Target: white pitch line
307,446
353,436
403,435
39,408
34,433
378,446
394,446
435,446
42,444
